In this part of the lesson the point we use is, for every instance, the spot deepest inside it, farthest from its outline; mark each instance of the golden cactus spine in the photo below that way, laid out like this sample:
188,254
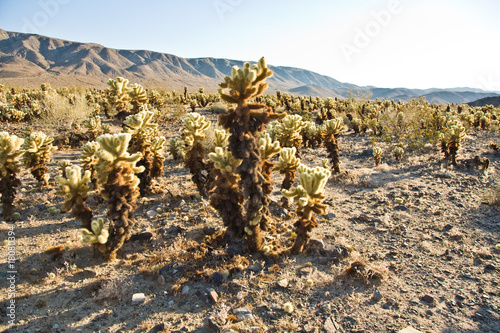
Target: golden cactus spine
331,131
308,197
38,148
10,150
119,185
244,123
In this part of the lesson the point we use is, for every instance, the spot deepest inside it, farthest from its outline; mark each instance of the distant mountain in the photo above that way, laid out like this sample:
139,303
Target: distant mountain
30,60
495,101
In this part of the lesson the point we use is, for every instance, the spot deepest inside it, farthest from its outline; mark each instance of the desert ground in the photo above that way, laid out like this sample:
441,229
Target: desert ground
421,234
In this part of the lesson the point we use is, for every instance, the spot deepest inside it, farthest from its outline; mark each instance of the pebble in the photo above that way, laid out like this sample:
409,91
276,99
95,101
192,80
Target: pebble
161,280
174,269
55,326
409,329
138,298
213,296
185,290
377,296
218,278
490,267
428,299
256,268
151,214
243,314
331,326
283,283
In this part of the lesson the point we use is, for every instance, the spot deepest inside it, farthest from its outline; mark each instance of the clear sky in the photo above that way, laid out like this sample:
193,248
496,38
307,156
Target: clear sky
384,43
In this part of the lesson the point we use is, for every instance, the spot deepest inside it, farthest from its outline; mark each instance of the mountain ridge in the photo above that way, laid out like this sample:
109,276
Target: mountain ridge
31,59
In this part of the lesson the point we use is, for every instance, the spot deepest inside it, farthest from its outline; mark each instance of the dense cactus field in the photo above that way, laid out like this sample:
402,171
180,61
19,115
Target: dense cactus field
140,210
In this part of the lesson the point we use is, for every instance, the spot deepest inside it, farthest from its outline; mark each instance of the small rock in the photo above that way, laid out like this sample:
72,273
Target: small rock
256,268
331,215
490,267
315,246
161,327
55,326
174,269
143,236
428,299
161,280
138,298
218,278
377,296
151,214
331,326
185,290
209,230
243,314
409,329
283,283
401,208
212,296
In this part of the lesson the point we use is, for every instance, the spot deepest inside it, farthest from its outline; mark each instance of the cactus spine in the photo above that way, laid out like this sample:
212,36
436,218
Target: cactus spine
194,134
308,197
9,168
38,148
331,130
119,185
377,155
244,123
74,188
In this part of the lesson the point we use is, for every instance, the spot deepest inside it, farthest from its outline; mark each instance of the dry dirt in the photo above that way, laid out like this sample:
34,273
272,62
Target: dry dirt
420,224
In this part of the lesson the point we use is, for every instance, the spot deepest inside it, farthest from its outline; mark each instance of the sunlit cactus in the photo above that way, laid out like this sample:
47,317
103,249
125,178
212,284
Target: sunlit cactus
89,158
138,97
176,148
331,130
193,136
116,170
244,123
287,132
97,233
226,196
453,136
311,134
38,148
62,165
158,152
119,95
308,197
268,148
74,188
10,151
377,155
493,146
93,125
398,152
287,165
143,132
221,138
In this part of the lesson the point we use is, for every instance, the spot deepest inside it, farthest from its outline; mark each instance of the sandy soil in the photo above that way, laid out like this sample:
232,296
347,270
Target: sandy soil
421,225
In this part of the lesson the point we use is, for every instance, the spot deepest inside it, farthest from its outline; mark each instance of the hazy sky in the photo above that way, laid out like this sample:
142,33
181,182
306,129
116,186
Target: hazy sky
386,43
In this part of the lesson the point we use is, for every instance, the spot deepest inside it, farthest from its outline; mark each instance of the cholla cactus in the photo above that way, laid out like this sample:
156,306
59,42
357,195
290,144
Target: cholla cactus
143,132
97,233
331,130
158,153
38,148
493,146
287,165
9,168
138,97
268,148
377,155
194,134
244,123
453,136
93,125
119,95
89,159
309,199
357,125
176,148
398,152
287,132
226,196
221,138
311,134
116,171
74,188
62,165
